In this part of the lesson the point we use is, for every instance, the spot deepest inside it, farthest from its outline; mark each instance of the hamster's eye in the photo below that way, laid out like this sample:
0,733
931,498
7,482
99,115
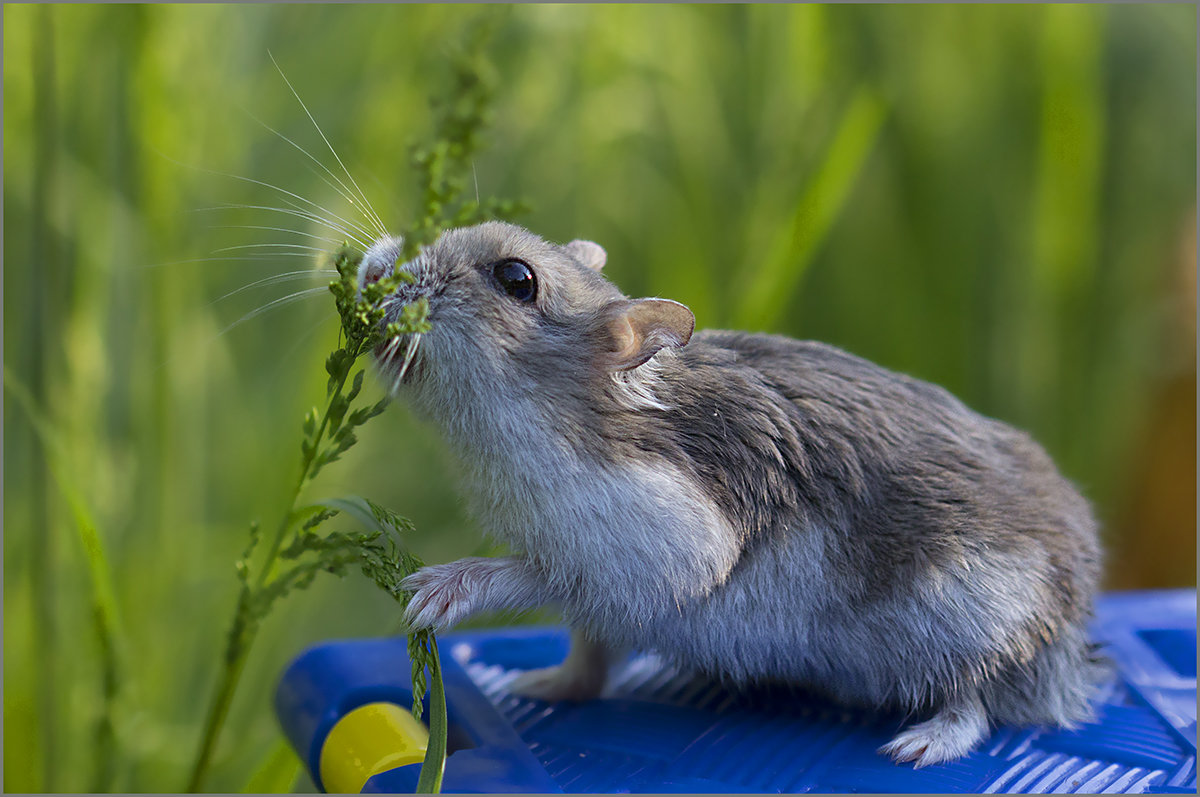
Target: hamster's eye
516,279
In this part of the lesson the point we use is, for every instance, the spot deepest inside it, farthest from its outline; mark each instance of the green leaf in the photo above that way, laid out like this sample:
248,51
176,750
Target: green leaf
368,513
319,462
333,363
337,410
346,439
319,518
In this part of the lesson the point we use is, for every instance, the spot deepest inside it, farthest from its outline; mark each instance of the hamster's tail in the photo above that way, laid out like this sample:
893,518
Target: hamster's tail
1055,687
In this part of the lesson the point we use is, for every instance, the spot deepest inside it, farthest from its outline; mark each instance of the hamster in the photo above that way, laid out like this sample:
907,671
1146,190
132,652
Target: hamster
749,506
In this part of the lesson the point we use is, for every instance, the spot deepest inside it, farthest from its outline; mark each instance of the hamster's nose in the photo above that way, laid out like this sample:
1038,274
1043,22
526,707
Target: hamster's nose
378,261
373,272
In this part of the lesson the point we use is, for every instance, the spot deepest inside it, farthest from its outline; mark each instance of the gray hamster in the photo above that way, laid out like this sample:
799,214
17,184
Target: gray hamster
749,506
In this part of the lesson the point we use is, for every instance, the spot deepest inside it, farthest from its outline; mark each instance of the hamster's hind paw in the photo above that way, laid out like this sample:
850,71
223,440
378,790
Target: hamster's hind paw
952,733
580,677
556,683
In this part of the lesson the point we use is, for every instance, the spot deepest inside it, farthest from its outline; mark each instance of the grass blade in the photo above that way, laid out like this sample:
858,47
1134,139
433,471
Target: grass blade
789,255
45,318
103,598
434,765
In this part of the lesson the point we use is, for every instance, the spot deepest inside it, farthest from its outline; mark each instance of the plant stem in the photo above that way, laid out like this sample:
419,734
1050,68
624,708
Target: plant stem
242,635
222,699
284,525
241,638
305,467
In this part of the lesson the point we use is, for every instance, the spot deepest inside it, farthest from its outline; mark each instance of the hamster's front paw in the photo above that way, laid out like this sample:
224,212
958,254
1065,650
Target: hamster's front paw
441,596
952,733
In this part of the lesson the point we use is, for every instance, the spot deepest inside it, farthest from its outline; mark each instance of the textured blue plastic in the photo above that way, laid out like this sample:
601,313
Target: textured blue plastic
327,682
656,729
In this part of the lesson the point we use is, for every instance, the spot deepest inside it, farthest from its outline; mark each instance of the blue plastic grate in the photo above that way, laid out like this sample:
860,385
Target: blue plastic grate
657,729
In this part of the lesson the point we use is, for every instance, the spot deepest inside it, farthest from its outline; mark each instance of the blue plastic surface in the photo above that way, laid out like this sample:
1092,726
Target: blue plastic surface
656,729
328,681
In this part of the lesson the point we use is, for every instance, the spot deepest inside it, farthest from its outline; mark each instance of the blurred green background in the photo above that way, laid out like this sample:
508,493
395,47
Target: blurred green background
997,199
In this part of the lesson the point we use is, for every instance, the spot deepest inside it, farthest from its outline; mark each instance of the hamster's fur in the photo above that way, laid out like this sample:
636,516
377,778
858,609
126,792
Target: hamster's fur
749,506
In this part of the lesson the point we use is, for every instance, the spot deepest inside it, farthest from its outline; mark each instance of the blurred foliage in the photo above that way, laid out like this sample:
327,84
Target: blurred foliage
993,198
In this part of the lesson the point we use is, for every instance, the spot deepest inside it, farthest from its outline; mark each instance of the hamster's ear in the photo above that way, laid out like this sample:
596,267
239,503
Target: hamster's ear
589,254
639,328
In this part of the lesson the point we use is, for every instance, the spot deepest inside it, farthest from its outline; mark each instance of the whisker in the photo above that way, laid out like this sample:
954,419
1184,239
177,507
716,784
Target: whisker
266,258
299,213
353,225
353,202
356,227
286,300
270,255
343,191
409,357
253,181
367,234
389,350
366,205
275,229
413,343
290,276
330,215
400,371
263,245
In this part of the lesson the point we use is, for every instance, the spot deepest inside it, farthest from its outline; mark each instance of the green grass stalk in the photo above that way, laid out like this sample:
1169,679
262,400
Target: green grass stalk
42,321
231,673
434,765
103,598
243,632
818,208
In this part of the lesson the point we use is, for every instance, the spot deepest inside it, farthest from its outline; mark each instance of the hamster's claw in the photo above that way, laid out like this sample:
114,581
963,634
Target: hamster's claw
440,598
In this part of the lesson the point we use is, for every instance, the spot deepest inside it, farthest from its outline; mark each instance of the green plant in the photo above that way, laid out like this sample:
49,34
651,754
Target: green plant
286,567
296,552
442,167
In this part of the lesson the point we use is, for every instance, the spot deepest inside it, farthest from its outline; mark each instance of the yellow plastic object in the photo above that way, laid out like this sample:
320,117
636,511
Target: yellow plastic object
370,739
